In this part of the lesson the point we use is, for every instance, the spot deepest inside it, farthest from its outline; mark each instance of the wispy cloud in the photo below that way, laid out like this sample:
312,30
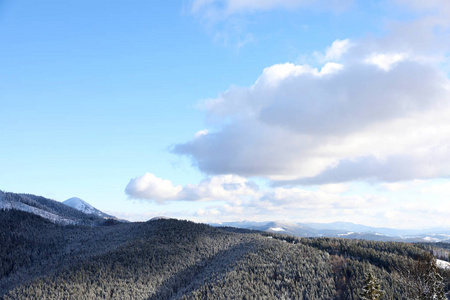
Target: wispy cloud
226,8
229,7
228,20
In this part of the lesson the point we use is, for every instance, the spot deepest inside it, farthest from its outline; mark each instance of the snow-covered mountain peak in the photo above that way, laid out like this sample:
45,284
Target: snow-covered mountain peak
80,205
83,206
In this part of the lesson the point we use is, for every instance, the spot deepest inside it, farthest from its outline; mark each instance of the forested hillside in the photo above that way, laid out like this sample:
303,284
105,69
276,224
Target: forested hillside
52,210
172,259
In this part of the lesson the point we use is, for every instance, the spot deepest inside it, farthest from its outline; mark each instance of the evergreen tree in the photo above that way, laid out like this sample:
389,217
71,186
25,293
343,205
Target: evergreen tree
372,289
431,286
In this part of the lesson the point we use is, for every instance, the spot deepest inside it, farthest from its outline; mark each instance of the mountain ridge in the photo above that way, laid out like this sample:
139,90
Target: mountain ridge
75,211
49,209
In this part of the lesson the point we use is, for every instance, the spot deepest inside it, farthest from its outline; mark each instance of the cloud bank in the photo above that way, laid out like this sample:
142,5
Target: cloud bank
237,191
231,198
241,195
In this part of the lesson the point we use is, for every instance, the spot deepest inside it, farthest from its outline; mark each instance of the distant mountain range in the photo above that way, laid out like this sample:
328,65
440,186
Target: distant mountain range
73,211
345,230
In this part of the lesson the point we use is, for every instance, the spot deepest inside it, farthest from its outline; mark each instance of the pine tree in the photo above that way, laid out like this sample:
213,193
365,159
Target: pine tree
431,286
372,289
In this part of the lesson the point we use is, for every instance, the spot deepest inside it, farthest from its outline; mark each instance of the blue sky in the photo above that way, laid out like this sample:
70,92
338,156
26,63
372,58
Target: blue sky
230,110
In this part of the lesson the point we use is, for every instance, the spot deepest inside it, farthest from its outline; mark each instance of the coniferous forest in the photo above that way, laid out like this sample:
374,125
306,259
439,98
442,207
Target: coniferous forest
173,259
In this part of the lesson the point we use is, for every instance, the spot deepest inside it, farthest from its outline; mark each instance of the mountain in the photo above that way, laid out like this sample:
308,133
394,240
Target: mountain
285,227
160,218
174,259
49,209
86,208
343,226
345,230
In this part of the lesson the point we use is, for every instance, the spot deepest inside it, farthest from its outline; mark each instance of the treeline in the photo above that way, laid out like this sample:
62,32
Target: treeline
439,250
171,259
405,270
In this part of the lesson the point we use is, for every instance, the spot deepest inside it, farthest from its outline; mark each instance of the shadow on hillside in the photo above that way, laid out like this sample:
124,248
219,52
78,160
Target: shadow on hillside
203,272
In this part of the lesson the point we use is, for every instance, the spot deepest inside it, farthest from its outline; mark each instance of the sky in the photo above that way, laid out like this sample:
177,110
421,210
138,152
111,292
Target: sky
230,110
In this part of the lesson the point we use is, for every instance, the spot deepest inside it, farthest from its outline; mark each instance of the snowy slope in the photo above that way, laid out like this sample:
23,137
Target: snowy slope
443,264
29,204
86,208
286,227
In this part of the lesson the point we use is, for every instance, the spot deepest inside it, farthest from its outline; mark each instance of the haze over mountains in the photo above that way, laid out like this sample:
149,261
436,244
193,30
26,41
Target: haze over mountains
77,211
345,230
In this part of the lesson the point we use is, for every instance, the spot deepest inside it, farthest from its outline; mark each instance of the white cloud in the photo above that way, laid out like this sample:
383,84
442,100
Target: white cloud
233,198
300,205
394,187
385,61
234,195
229,188
348,121
335,52
201,132
336,188
425,33
442,188
148,186
330,68
207,212
435,7
337,49
424,215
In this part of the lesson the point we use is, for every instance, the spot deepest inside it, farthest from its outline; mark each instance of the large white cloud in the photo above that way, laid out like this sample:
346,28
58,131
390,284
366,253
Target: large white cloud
372,116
